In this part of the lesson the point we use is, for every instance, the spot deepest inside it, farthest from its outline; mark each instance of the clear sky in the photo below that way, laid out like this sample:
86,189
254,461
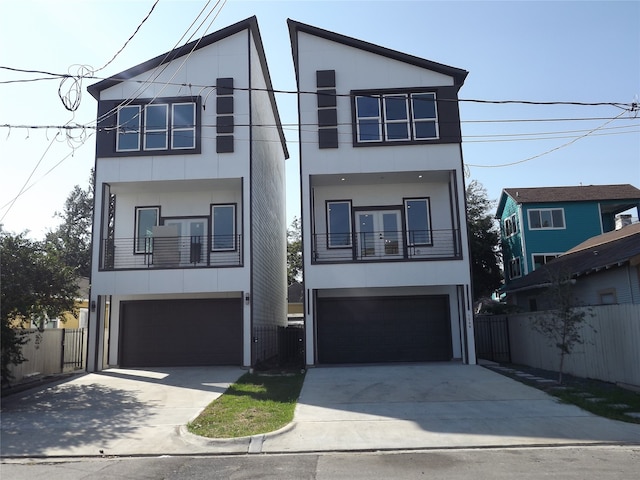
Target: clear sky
585,51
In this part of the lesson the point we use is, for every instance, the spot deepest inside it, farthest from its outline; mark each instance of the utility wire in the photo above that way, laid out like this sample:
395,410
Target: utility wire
128,40
548,151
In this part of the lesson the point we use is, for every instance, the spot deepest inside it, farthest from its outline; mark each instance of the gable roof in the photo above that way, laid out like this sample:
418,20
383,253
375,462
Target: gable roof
569,194
611,249
458,74
250,24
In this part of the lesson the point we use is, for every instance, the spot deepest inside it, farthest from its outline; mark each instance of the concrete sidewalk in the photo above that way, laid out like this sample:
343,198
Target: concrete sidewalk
444,405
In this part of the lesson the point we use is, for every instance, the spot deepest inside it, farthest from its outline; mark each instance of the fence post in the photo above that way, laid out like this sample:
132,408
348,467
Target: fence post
64,331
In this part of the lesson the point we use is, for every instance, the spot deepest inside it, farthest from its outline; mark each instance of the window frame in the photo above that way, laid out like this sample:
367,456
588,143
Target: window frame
123,131
550,210
510,226
234,227
409,95
428,230
175,129
515,268
137,248
169,130
349,222
153,131
546,258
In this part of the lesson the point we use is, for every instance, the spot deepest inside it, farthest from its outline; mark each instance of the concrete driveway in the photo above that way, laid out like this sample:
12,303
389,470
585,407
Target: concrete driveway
117,411
444,405
434,406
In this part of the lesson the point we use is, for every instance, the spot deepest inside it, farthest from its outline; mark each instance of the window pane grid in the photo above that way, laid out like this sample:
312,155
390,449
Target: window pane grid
148,127
552,218
369,122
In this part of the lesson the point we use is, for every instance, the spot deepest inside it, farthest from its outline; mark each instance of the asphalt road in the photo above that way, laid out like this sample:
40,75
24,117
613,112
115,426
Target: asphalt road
592,462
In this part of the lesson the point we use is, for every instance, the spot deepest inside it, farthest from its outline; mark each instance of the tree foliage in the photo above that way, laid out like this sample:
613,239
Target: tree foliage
484,241
563,325
294,252
35,284
72,238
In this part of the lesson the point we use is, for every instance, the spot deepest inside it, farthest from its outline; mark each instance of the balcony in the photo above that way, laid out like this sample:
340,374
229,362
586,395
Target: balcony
171,252
386,246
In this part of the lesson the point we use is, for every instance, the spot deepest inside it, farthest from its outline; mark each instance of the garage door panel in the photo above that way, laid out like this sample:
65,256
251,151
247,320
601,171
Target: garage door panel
181,333
383,329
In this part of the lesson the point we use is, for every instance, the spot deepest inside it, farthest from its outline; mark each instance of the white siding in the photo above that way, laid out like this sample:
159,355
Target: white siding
268,220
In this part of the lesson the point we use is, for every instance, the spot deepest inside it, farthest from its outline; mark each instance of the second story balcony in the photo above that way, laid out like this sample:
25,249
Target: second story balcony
171,252
386,246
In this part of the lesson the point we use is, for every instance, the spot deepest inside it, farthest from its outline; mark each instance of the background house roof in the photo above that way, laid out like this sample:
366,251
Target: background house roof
601,252
569,194
574,194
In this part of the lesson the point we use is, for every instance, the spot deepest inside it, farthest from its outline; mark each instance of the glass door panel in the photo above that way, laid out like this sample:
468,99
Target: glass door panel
192,239
378,233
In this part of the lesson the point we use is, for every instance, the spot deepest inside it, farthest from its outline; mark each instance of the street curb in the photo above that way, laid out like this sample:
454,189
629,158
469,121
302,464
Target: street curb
252,443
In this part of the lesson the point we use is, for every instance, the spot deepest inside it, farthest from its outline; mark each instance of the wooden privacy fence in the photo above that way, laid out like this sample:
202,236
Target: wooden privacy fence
54,350
610,352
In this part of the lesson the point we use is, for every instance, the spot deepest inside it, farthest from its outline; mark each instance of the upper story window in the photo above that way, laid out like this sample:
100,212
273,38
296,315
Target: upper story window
510,226
339,224
157,127
542,259
515,269
418,224
146,219
395,117
548,218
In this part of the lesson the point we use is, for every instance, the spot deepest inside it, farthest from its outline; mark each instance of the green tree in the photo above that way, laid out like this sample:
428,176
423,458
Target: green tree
35,284
563,325
484,238
72,238
294,252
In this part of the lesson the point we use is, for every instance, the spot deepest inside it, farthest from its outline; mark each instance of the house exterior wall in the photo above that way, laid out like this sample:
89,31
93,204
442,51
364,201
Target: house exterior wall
372,179
268,220
246,170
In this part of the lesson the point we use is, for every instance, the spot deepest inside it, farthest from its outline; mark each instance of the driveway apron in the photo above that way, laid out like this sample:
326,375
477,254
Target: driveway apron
441,405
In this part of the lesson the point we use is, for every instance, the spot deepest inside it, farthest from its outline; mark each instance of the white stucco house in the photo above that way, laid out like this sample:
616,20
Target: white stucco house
386,257
189,232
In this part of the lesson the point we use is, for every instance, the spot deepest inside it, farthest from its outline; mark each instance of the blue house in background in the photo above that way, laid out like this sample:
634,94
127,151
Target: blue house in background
538,224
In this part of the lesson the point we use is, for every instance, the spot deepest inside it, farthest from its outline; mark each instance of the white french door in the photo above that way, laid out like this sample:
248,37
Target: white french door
192,239
379,234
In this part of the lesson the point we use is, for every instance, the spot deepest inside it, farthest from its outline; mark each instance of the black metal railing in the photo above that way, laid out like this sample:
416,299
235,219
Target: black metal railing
171,252
386,246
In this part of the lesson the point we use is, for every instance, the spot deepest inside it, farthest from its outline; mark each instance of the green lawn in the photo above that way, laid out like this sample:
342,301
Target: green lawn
256,403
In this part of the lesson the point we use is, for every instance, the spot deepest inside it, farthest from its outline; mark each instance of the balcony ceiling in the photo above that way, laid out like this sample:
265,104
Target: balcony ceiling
439,176
177,185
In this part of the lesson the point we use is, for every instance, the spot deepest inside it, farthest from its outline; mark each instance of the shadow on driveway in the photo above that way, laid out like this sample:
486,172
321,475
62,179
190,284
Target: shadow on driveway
118,412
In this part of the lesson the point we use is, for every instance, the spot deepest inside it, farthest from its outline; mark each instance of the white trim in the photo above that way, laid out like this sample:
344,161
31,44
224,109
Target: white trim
148,130
119,132
564,223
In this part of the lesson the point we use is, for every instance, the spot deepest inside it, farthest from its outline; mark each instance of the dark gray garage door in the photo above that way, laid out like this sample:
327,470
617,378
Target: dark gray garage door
383,329
162,333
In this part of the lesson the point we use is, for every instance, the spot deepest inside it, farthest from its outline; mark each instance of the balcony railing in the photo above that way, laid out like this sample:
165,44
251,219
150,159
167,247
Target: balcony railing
171,252
386,246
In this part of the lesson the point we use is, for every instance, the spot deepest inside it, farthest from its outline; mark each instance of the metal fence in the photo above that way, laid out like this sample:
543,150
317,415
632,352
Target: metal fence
51,351
386,245
171,252
492,338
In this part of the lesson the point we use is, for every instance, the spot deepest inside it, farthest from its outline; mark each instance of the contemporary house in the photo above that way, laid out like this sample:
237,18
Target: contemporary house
189,233
604,270
386,257
538,224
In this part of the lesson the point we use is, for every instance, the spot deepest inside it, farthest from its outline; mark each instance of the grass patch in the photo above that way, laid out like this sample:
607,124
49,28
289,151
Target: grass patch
254,404
600,398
